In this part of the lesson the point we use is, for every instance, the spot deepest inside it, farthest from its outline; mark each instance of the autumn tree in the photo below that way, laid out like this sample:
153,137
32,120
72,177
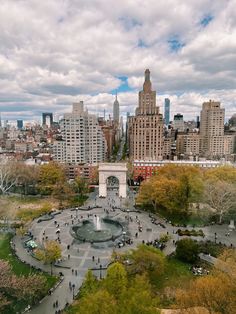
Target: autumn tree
173,188
50,253
215,292
13,288
50,176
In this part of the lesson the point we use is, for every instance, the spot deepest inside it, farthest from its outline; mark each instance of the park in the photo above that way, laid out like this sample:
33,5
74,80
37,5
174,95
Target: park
102,231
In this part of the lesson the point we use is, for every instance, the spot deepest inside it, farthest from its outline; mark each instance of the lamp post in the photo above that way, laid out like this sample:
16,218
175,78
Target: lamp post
100,271
124,233
73,290
215,236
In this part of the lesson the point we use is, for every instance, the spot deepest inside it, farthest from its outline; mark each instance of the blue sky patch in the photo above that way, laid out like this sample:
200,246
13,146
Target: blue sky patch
124,87
175,44
206,20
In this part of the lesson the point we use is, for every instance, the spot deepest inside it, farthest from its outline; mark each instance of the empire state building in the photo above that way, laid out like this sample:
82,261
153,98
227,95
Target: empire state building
145,129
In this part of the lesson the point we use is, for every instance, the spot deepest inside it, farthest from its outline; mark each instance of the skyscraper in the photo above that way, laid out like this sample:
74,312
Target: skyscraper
178,122
167,111
212,129
82,138
116,111
145,129
19,124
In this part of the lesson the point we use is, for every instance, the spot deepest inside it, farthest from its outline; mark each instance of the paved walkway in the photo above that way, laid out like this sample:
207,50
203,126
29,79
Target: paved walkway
79,257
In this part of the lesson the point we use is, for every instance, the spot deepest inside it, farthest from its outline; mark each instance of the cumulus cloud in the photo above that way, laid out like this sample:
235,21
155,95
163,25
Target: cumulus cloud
56,52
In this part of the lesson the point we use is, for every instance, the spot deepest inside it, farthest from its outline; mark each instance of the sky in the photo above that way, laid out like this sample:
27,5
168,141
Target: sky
56,52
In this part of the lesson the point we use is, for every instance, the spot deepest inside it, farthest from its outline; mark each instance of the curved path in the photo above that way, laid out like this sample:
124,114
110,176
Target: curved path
78,258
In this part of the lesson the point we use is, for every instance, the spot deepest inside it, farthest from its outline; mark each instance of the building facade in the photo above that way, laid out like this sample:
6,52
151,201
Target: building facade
116,111
145,129
212,129
167,111
82,138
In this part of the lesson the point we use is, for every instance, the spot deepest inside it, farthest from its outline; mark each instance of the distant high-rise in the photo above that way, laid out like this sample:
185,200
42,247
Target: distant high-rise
167,111
82,138
178,122
145,129
212,129
116,110
47,118
19,124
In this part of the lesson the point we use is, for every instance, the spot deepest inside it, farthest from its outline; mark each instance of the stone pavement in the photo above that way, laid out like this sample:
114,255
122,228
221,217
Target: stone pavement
79,256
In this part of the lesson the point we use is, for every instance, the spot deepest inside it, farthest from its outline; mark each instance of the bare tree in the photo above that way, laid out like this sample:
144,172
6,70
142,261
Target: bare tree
220,195
8,175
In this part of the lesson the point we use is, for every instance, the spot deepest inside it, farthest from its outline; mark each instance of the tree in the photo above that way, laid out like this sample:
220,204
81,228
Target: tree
50,254
27,176
81,186
50,175
8,175
100,302
116,280
90,284
147,259
160,192
220,195
187,250
227,262
14,288
224,173
215,292
138,298
172,189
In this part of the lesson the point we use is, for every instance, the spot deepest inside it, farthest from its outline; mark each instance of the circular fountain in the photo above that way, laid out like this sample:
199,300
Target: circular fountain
97,230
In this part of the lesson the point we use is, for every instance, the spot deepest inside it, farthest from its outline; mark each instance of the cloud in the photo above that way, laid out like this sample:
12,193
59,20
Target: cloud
56,52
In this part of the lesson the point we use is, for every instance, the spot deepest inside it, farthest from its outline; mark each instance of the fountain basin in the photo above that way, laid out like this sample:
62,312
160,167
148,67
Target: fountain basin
86,231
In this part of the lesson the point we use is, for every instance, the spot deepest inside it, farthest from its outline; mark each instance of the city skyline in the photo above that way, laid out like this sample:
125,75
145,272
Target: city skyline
56,53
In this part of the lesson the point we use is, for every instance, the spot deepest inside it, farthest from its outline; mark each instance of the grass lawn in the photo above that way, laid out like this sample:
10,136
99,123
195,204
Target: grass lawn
20,268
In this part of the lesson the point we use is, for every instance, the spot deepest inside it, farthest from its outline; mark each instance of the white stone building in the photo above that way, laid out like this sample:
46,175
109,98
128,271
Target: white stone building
82,138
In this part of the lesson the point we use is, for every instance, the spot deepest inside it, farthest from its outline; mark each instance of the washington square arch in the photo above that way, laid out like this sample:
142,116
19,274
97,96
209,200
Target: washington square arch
112,175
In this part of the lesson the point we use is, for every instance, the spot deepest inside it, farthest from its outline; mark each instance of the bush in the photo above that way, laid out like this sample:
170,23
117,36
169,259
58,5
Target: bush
187,250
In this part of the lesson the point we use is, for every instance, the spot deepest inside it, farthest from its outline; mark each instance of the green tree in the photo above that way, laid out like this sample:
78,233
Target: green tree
139,298
116,280
147,259
50,254
90,284
100,302
50,176
187,250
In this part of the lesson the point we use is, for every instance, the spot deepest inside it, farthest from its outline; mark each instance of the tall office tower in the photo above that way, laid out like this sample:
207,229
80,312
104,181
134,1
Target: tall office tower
167,111
82,138
19,124
116,111
212,129
47,118
178,122
145,129
126,128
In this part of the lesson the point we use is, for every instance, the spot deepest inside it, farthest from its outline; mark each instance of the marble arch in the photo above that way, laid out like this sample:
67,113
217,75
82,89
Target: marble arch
118,170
